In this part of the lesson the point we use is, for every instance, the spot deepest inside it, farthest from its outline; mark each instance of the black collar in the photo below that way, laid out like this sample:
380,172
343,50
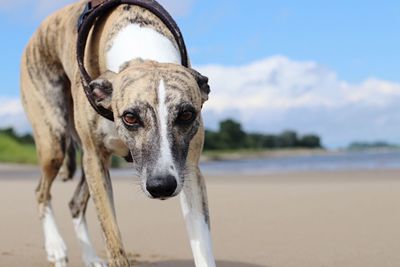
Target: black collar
95,9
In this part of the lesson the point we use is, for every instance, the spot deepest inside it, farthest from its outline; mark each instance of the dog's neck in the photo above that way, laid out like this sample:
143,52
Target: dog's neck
134,41
127,33
130,32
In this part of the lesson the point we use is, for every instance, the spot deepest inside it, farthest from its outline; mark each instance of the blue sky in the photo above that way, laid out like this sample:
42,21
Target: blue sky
357,39
344,51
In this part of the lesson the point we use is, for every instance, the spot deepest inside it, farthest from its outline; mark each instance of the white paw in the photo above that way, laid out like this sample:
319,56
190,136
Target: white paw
57,254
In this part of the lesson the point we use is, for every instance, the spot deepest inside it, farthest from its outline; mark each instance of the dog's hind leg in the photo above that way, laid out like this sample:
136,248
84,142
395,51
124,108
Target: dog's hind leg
68,168
50,160
195,211
51,155
44,91
78,206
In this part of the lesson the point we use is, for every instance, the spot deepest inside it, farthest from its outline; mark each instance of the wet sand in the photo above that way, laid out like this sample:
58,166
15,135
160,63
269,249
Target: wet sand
330,219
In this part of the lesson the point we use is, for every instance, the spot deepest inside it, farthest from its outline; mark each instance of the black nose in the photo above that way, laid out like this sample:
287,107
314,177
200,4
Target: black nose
161,186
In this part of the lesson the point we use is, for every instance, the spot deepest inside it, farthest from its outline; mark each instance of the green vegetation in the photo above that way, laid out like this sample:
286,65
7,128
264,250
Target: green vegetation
15,148
231,136
372,145
23,139
116,162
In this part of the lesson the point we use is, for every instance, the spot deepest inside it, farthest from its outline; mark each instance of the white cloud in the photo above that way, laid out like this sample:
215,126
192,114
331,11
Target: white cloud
10,106
12,114
177,7
277,93
39,8
42,8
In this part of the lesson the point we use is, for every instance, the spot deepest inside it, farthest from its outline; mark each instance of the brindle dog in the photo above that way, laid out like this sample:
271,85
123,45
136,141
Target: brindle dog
156,104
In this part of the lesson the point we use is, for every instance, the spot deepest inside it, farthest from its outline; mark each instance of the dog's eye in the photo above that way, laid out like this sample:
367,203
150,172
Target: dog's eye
131,120
186,117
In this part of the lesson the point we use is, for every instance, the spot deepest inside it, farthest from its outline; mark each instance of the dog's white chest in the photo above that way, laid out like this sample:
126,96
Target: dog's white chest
134,41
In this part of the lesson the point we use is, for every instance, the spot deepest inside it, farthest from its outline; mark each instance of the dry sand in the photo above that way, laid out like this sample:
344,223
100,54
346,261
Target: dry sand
335,219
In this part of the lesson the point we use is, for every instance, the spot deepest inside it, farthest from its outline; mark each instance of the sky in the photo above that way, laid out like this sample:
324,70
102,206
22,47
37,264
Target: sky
326,67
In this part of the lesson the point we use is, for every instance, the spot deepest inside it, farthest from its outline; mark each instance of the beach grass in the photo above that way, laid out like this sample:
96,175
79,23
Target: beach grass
13,152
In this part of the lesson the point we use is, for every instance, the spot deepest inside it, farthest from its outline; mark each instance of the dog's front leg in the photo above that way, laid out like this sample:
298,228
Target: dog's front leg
99,182
195,210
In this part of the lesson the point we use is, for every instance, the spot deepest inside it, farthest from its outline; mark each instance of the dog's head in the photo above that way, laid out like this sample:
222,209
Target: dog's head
157,114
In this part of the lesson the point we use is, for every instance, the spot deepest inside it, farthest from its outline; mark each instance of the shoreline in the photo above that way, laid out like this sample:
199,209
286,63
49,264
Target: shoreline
209,156
32,173
215,156
265,163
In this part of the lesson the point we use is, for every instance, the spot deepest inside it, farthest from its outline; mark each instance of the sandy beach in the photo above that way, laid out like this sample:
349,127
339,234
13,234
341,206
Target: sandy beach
306,219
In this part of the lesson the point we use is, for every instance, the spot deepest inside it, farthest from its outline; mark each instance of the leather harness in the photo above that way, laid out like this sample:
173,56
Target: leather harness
97,8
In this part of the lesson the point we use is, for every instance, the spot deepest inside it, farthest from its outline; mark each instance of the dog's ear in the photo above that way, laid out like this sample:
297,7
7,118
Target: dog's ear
202,81
102,89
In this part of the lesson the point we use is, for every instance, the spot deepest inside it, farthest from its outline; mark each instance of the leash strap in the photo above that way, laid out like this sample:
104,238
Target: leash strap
95,9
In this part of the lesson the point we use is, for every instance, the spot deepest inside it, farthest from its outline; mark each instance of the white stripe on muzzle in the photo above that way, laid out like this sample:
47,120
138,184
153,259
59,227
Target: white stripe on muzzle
165,160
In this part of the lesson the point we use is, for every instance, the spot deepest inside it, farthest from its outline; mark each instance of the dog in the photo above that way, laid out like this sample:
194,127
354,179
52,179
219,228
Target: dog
155,104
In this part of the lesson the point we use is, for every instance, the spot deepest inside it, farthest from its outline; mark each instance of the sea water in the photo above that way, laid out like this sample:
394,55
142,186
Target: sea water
339,161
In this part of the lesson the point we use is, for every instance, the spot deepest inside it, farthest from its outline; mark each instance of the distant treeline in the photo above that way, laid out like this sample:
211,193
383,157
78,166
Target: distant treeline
16,148
231,136
22,139
371,145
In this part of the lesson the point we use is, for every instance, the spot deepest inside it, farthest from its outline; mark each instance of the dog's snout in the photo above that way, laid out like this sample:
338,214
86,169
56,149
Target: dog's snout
161,186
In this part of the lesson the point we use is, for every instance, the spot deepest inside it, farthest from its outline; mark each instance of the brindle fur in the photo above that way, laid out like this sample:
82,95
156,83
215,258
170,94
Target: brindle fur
61,116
